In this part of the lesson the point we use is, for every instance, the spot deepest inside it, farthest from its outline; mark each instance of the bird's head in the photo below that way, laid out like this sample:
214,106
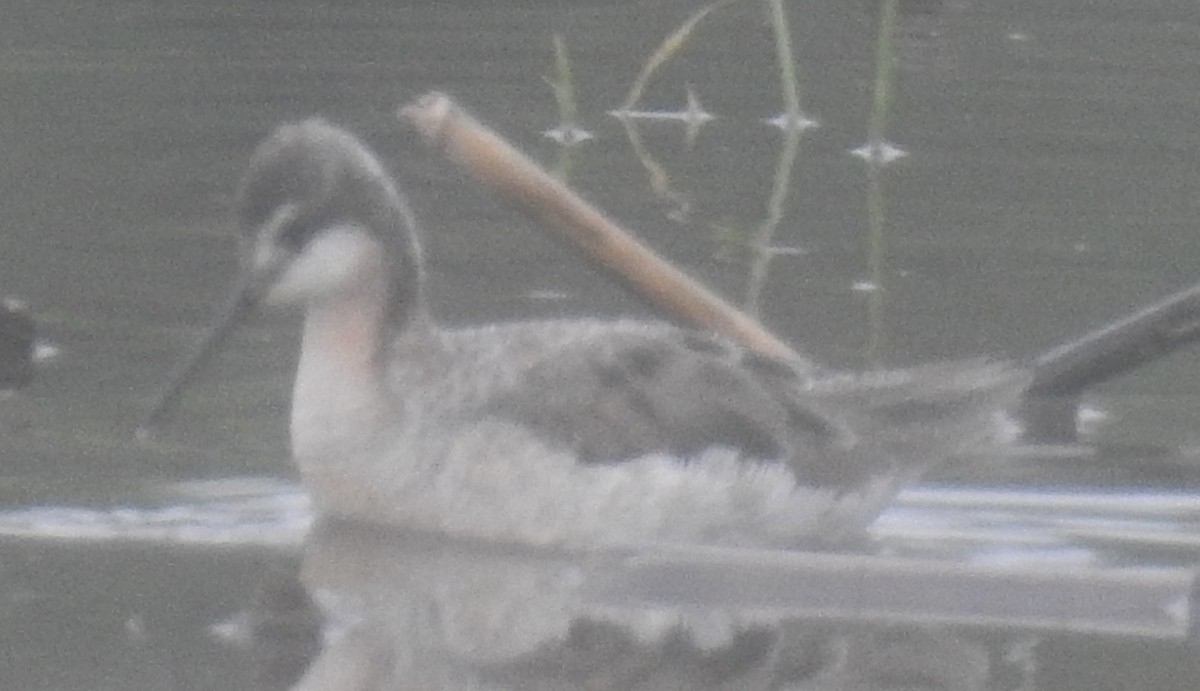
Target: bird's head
318,212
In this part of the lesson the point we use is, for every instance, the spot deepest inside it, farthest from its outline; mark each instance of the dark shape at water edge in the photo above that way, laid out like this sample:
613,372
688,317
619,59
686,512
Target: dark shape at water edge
285,630
17,332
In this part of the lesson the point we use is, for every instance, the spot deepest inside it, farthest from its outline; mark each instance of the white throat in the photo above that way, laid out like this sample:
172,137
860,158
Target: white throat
338,393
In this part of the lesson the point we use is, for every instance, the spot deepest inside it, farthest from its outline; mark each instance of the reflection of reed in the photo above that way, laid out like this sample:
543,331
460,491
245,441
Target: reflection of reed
693,116
666,50
793,123
876,214
568,133
659,178
875,287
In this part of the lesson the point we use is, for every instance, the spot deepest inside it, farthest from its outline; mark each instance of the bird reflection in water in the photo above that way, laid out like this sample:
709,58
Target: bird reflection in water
420,612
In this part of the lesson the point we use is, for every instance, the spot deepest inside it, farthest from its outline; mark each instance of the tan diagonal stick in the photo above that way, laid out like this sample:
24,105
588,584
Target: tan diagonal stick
520,181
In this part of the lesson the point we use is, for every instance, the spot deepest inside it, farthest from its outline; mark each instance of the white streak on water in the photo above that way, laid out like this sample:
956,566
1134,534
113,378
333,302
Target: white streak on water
979,524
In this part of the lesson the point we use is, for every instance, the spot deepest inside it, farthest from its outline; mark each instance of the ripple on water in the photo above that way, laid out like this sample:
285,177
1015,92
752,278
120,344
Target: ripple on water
230,512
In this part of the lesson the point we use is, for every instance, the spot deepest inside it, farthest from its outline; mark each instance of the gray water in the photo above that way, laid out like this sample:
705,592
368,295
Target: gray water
1050,184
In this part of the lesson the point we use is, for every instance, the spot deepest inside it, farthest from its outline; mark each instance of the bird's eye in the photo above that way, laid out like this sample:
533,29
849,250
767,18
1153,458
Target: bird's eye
295,224
296,234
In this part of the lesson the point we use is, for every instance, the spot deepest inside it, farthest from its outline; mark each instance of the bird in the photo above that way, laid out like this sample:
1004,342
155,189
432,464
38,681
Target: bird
569,432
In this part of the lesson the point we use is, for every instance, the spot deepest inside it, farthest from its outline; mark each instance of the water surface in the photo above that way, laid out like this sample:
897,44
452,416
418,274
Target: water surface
1050,184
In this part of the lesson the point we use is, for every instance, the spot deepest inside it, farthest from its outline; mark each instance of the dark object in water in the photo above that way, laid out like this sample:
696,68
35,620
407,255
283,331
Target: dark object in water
17,332
1062,374
284,628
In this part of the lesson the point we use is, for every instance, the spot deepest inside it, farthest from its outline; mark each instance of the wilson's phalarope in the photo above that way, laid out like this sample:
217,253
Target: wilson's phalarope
567,432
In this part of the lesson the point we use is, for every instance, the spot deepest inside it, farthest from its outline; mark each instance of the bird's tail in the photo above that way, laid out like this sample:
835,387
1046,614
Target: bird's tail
899,424
922,415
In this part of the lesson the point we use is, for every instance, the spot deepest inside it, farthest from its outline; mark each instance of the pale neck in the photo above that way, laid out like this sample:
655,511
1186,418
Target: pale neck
339,391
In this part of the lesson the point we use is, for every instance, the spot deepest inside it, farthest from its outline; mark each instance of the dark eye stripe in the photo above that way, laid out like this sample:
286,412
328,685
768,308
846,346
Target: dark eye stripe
297,234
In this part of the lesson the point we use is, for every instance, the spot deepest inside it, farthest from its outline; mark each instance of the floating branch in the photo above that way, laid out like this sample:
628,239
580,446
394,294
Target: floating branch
522,183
